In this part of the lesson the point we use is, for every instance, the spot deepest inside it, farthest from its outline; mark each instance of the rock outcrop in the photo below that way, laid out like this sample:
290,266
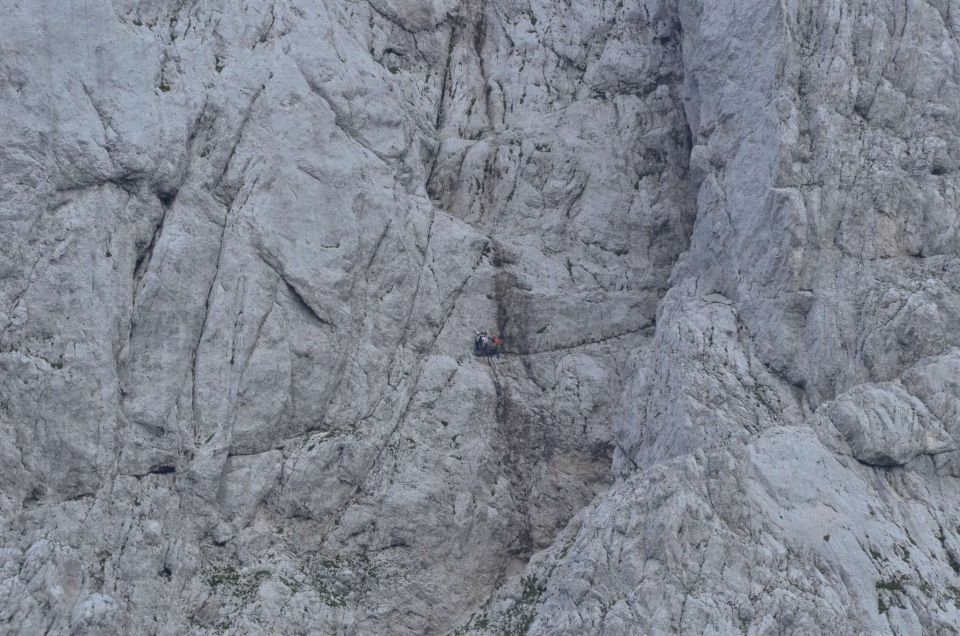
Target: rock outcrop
245,247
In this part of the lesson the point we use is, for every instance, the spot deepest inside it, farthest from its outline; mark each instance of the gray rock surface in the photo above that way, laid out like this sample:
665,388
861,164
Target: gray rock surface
244,247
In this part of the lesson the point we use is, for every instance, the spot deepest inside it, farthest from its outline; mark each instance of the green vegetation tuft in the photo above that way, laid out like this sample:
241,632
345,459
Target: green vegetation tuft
224,576
891,585
956,595
244,587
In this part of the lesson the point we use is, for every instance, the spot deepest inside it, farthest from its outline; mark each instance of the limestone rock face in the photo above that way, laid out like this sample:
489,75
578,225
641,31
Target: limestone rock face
244,248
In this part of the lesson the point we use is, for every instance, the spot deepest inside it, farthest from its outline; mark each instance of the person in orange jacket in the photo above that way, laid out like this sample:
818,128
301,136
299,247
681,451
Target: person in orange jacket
496,343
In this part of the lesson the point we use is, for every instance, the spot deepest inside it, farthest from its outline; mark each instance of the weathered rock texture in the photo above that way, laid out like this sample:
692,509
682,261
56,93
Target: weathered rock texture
244,247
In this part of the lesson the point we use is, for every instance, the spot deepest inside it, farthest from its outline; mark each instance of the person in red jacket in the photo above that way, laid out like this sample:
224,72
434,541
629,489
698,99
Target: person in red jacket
497,343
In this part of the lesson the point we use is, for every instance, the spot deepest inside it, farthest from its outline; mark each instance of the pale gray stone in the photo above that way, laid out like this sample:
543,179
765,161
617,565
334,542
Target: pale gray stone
245,247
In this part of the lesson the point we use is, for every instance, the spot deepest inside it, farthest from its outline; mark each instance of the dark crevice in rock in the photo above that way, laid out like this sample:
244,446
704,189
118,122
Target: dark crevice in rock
301,303
145,255
224,196
167,197
514,432
504,283
194,368
454,34
160,469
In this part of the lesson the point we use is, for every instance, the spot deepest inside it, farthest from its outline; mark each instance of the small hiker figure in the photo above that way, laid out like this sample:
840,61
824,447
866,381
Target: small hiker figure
496,343
485,344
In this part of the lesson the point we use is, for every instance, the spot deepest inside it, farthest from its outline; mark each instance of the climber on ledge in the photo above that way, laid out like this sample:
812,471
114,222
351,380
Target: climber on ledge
496,342
487,344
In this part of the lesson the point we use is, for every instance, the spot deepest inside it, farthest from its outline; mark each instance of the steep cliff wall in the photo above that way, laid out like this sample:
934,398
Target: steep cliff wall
245,247
788,452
